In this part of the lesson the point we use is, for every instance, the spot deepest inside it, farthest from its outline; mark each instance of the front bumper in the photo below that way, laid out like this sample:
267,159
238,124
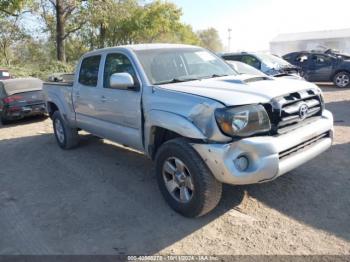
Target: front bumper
269,156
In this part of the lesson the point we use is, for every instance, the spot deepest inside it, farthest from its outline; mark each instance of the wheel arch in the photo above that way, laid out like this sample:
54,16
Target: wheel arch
338,71
51,108
162,126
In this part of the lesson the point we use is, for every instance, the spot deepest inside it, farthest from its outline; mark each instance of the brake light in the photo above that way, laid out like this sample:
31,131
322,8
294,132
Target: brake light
11,99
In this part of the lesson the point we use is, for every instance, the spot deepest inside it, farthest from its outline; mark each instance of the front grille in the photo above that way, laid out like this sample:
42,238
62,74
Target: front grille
302,146
285,111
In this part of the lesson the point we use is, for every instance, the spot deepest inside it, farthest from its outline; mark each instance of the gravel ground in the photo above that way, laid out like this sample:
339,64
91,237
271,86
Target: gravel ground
103,199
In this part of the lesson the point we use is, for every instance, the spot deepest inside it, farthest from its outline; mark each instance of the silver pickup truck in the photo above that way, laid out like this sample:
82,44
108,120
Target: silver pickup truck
188,110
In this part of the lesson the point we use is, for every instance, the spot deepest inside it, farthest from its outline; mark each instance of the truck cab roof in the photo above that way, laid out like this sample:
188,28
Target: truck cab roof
140,47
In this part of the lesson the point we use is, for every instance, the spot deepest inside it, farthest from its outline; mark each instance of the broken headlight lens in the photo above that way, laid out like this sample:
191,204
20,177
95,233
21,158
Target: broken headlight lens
243,121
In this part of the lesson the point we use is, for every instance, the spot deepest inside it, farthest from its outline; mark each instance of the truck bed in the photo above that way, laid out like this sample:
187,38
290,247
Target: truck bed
60,93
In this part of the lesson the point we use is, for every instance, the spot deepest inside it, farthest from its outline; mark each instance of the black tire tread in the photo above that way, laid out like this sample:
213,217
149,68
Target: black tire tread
212,187
71,134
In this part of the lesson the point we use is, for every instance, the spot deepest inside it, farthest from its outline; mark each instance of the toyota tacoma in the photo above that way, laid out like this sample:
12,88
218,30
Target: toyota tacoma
189,111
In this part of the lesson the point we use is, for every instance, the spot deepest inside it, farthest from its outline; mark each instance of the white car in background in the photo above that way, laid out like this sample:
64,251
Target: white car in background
245,69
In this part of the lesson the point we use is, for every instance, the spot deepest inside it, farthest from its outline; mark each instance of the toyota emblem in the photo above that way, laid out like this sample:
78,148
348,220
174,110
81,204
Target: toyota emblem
303,110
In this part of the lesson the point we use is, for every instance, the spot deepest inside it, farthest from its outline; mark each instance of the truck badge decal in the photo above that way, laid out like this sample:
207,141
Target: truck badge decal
303,110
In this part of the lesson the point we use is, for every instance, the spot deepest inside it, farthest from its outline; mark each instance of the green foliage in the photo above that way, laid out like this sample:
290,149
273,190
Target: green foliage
42,71
13,7
10,34
88,24
128,22
210,39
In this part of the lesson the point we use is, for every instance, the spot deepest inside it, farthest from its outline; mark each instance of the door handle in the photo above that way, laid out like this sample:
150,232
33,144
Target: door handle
77,94
103,99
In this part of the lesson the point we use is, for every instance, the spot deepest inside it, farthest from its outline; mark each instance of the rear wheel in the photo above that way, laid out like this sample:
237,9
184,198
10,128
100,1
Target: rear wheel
184,180
342,79
4,121
66,136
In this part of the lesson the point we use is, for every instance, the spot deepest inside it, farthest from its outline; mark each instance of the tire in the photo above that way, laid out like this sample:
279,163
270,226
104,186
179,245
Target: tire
66,136
4,121
342,79
205,192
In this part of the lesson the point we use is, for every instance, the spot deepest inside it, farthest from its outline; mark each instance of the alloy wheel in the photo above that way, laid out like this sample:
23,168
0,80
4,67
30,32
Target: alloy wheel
59,130
342,80
178,180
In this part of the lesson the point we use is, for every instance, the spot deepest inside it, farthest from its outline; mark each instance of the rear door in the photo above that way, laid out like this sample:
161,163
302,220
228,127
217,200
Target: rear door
86,94
302,60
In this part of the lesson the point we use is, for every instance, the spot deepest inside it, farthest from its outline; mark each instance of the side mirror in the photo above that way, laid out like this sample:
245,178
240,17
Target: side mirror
121,81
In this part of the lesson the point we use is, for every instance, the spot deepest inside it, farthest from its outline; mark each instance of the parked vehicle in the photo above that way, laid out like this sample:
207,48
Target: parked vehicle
318,66
61,77
4,74
337,53
242,68
200,121
268,64
20,98
245,69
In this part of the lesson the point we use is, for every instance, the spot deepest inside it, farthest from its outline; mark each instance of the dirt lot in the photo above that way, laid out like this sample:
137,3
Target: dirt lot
103,199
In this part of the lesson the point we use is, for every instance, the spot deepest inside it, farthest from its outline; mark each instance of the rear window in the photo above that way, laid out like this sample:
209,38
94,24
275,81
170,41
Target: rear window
89,70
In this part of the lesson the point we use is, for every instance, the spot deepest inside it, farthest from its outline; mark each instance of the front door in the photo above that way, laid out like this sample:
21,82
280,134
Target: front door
320,68
119,110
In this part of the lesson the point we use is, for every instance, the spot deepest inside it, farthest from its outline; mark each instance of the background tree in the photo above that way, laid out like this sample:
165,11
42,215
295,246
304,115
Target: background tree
69,18
129,22
10,34
14,7
210,39
57,32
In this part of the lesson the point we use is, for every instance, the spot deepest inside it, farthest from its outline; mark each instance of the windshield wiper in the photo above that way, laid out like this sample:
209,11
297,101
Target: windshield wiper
175,80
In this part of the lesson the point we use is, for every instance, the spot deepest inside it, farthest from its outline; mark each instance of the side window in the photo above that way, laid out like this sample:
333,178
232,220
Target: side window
117,63
232,58
321,59
89,70
302,58
252,61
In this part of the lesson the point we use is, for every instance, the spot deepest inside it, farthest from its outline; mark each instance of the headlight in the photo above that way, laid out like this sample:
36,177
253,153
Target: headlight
243,120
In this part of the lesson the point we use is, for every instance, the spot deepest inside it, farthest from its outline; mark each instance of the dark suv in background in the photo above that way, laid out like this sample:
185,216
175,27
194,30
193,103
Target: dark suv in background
318,66
269,64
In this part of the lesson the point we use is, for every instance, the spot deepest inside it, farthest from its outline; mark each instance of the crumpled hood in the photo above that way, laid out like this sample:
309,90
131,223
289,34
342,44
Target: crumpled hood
241,89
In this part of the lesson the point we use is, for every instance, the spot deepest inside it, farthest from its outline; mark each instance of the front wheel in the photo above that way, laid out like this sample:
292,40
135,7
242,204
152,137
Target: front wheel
342,79
184,180
66,136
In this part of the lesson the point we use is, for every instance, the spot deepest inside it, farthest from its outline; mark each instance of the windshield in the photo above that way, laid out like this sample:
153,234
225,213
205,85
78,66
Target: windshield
170,65
272,61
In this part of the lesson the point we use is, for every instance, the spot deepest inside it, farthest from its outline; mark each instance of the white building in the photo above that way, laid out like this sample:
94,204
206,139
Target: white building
335,39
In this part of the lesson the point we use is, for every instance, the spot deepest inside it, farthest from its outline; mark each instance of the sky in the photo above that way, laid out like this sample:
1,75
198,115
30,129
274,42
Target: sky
255,23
